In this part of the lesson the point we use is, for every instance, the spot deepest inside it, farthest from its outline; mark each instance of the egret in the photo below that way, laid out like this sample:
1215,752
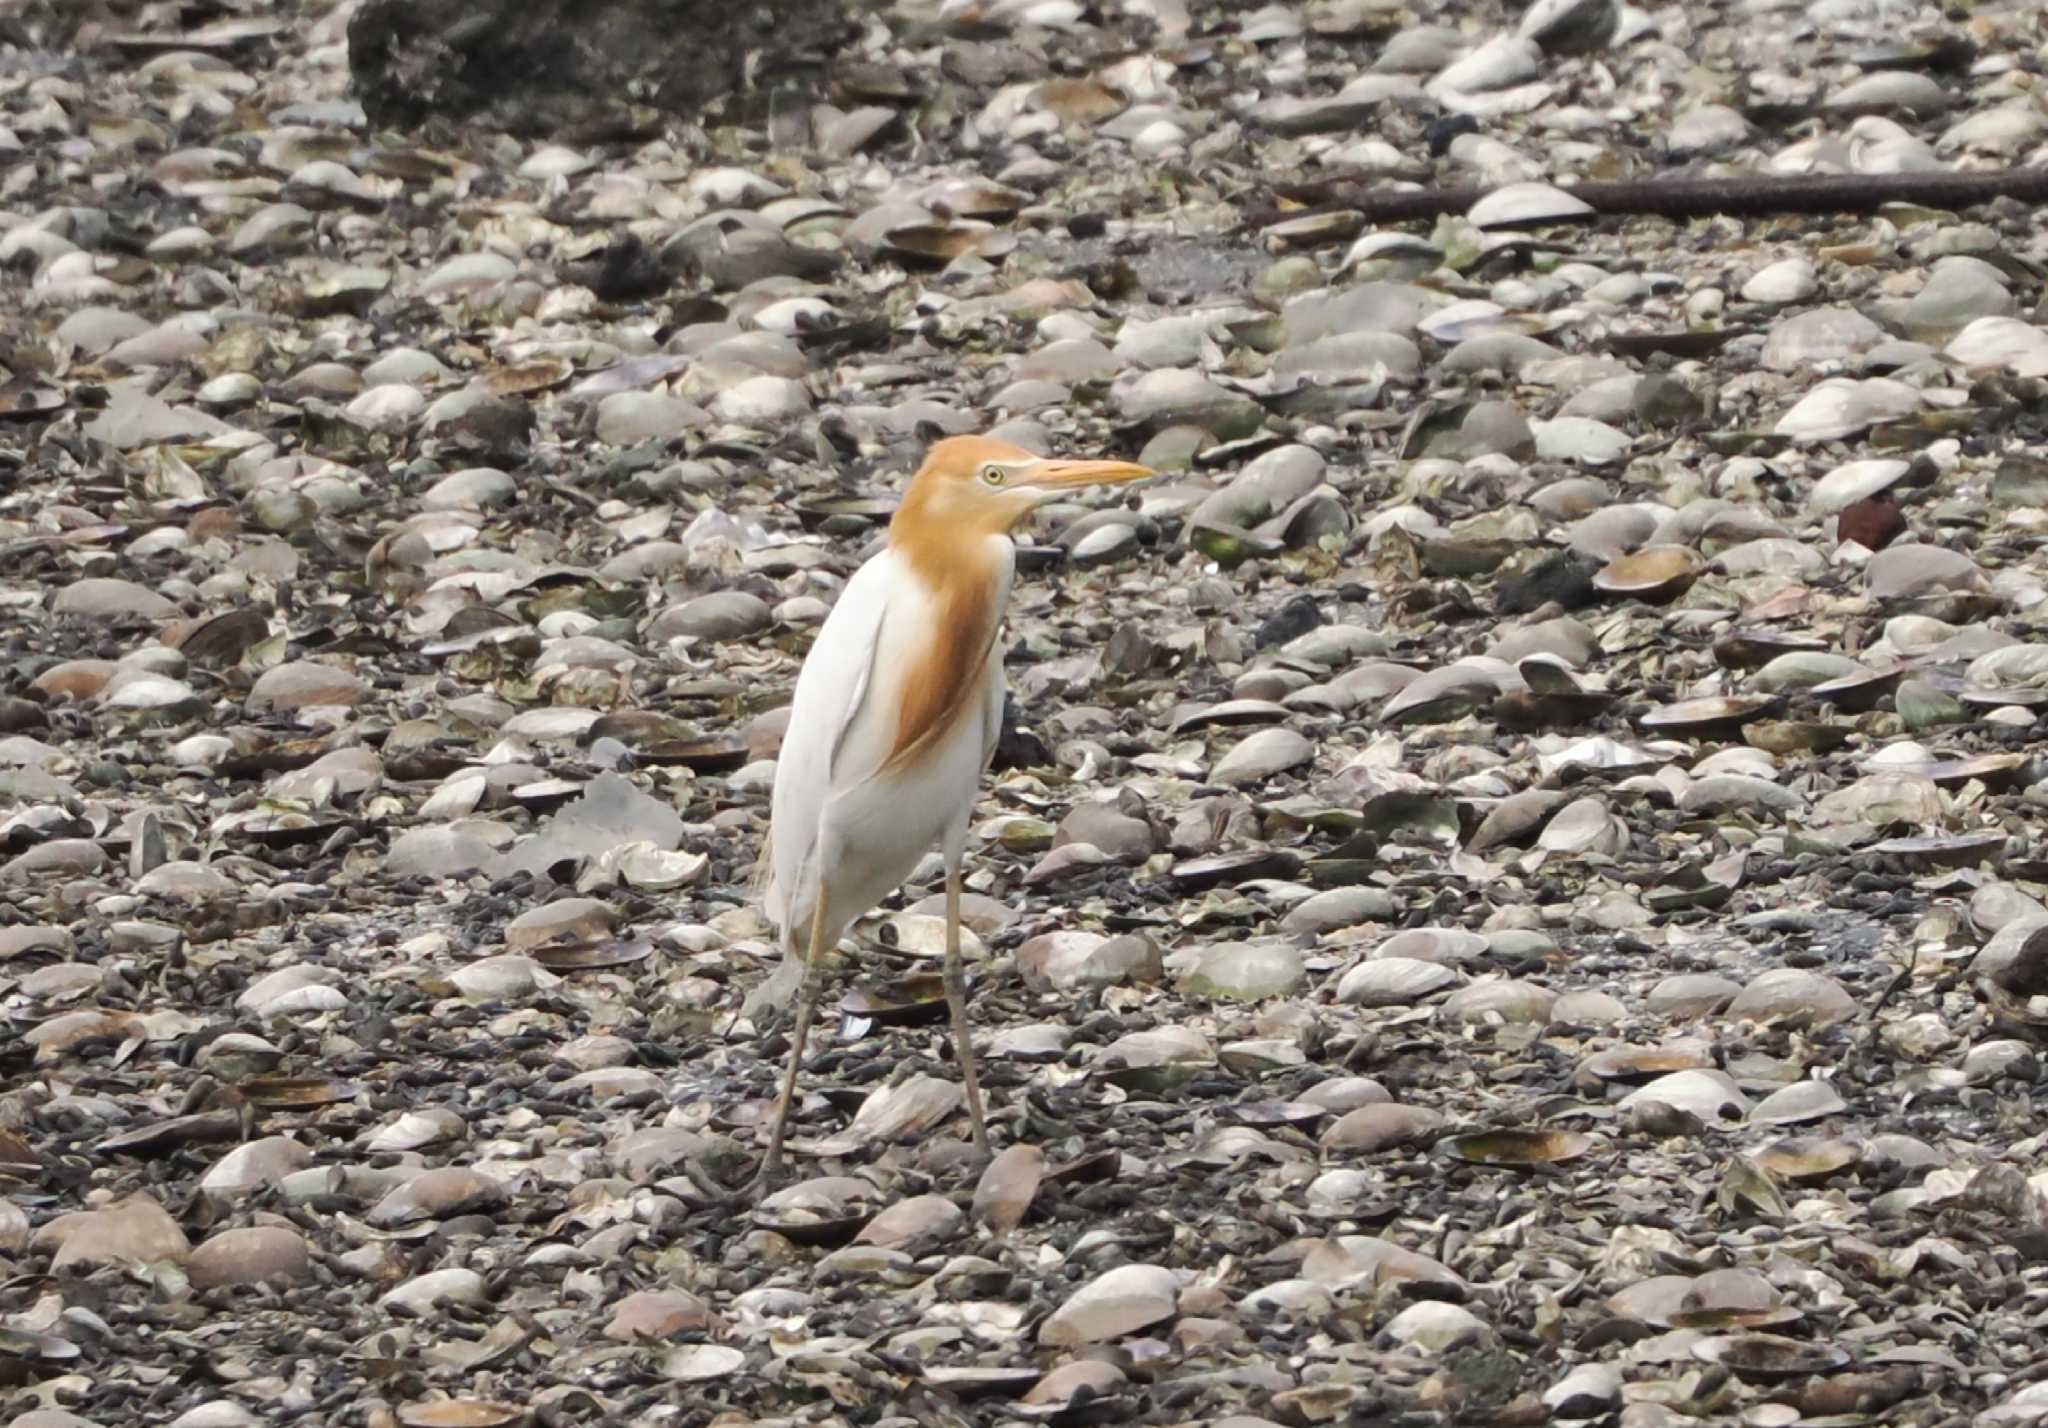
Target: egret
897,710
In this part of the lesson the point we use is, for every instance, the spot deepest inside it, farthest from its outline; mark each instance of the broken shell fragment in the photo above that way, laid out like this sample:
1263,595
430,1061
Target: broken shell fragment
1655,576
1519,1148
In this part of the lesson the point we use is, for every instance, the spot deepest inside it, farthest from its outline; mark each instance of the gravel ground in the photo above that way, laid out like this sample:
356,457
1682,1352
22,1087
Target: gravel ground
1511,889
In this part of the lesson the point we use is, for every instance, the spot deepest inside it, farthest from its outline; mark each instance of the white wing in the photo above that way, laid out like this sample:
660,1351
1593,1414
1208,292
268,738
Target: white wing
998,683
831,689
992,706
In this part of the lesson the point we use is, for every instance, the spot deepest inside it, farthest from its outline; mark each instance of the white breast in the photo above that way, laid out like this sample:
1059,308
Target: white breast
839,821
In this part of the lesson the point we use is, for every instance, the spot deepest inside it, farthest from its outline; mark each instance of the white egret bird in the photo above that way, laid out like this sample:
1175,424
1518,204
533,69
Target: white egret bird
897,710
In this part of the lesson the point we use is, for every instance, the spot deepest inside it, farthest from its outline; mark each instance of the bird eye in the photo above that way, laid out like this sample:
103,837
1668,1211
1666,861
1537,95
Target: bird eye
994,475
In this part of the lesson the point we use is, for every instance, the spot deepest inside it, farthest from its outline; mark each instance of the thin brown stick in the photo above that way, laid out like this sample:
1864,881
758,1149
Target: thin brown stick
1746,197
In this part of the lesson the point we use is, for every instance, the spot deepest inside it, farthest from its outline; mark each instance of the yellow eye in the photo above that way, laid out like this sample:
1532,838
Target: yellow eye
994,475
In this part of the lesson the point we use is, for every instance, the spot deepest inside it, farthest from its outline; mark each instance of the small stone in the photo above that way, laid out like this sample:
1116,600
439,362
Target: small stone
1588,1391
1872,523
1071,959
109,599
624,418
1339,907
1244,971
1170,397
1260,756
1118,835
441,1286
1119,1302
1923,706
1788,280
252,1255
650,1314
1690,995
134,1230
303,684
1433,1327
1791,997
721,615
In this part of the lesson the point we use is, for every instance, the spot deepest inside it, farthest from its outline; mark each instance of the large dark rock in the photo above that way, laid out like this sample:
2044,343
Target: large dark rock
586,68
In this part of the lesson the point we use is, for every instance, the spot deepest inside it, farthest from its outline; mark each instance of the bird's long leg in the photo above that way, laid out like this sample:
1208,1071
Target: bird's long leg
807,1008
956,1002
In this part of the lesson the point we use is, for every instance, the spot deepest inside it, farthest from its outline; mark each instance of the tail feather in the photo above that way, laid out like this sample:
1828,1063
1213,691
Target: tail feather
774,896
774,992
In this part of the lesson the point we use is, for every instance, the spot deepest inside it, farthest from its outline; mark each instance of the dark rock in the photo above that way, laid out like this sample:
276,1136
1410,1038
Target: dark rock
1018,747
497,431
1662,400
729,255
1296,618
624,272
1583,27
580,69
18,716
1566,577
1873,523
1439,133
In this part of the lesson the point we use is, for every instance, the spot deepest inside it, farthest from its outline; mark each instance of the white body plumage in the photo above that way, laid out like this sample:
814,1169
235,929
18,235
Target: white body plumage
839,803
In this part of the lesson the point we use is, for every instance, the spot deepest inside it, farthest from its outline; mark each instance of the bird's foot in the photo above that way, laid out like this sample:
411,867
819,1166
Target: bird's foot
768,1005
774,1170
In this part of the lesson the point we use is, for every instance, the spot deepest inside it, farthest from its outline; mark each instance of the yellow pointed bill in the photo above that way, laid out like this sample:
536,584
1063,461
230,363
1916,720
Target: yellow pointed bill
1065,475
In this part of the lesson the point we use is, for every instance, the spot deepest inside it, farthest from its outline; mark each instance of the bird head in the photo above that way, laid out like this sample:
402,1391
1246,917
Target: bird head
982,484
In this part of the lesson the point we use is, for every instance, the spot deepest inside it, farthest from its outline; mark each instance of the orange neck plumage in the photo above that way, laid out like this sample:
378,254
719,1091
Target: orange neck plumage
948,551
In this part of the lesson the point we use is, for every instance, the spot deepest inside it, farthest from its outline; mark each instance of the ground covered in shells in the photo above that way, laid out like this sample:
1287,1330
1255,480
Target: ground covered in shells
1511,890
